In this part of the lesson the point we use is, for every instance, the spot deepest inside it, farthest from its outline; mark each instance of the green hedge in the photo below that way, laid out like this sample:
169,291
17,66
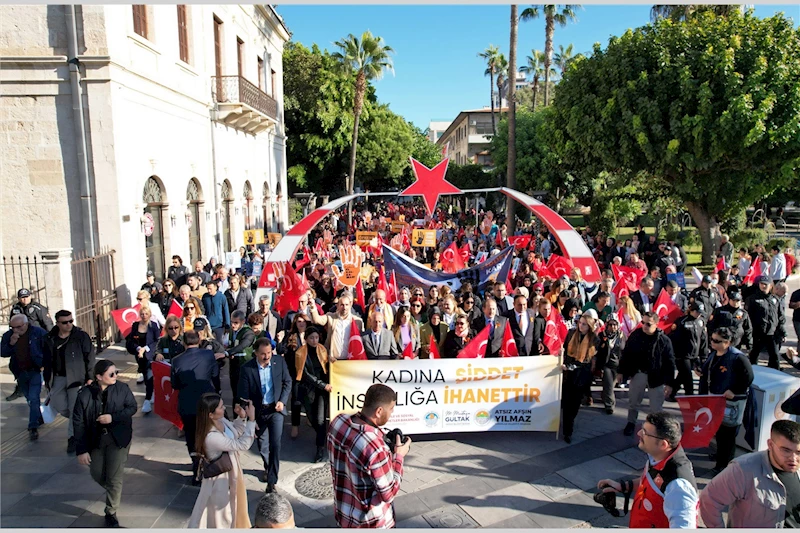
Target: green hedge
782,242
748,238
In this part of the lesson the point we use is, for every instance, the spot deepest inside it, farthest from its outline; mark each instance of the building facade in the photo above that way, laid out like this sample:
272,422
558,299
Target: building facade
152,130
436,129
469,136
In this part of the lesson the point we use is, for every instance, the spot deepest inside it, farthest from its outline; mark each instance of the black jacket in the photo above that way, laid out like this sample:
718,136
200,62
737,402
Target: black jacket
37,314
243,301
453,344
496,340
193,374
529,344
78,357
729,371
609,352
120,404
689,338
178,274
651,354
250,383
737,320
763,311
708,297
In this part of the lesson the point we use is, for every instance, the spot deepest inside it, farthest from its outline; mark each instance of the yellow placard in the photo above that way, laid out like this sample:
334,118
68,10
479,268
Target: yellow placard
397,227
253,236
363,238
423,237
274,238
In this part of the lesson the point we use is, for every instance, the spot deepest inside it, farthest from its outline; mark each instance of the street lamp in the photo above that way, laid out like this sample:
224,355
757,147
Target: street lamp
305,200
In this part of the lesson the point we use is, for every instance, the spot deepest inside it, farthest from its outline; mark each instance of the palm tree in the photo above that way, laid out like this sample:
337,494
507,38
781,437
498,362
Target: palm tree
535,69
490,55
563,58
553,14
511,176
501,70
678,13
367,58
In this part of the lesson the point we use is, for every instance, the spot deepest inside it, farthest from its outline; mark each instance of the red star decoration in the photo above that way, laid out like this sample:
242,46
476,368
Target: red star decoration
430,183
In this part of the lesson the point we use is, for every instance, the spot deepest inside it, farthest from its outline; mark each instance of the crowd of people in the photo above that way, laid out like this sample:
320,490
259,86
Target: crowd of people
203,320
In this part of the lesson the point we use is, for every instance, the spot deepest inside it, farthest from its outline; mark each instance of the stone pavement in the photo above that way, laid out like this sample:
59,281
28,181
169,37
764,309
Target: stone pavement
503,480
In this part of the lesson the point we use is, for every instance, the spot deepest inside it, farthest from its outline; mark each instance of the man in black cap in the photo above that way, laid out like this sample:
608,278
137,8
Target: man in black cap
37,315
151,286
193,374
705,294
665,259
733,316
690,342
762,306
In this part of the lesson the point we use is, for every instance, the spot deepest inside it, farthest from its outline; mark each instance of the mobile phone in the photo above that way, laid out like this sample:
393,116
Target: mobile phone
242,402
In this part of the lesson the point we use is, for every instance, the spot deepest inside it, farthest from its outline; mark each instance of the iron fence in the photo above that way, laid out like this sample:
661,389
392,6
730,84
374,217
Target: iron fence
94,284
21,272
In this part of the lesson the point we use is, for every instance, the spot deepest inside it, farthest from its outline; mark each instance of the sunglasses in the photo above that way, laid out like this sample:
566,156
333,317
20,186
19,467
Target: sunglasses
112,374
470,302
172,328
65,322
717,341
190,307
648,324
140,299
300,322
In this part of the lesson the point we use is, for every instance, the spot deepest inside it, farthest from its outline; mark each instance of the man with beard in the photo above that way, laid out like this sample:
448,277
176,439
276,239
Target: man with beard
338,326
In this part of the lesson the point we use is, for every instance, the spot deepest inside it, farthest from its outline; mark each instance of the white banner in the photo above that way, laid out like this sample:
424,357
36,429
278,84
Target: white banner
457,395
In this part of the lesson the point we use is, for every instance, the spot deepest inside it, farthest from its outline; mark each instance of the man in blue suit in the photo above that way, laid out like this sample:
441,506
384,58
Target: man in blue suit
265,381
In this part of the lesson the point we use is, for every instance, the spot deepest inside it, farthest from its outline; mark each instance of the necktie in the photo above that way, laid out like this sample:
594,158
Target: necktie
522,324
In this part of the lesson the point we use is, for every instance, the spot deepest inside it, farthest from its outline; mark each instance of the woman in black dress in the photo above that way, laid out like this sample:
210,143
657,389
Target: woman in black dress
312,367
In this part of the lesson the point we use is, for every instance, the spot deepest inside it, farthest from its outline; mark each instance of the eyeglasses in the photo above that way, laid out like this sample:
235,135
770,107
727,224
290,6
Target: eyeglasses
643,432
112,374
65,322
140,299
190,307
470,302
172,328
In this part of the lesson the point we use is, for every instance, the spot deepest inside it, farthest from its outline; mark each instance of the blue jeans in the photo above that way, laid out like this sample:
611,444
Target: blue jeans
30,384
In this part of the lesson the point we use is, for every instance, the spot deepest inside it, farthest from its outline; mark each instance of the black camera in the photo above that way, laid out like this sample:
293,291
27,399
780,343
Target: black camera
390,438
609,499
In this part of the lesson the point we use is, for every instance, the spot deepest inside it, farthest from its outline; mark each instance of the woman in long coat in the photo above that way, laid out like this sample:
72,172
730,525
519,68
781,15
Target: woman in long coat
222,502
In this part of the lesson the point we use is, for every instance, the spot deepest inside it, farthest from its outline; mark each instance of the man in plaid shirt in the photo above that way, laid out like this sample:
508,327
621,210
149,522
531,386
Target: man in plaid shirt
366,475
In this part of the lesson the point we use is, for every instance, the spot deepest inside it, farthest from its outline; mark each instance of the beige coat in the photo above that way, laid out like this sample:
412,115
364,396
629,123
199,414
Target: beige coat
329,320
222,502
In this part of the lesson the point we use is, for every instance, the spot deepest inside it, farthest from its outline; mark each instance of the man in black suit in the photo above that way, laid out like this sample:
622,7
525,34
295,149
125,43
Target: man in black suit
643,299
193,374
379,343
265,381
527,328
495,322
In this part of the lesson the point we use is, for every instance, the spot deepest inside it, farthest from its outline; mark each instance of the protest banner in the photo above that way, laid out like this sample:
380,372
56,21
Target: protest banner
424,237
457,395
363,238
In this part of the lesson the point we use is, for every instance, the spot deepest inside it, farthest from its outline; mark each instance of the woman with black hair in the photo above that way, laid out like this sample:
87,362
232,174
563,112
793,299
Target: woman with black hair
312,365
103,422
580,348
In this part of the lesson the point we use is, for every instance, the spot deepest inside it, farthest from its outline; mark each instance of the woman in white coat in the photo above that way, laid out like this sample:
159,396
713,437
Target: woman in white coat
222,502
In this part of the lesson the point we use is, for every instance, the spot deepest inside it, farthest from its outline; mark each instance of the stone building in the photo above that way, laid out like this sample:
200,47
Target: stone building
150,130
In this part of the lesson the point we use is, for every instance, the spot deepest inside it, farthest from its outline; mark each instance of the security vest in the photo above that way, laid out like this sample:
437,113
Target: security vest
648,504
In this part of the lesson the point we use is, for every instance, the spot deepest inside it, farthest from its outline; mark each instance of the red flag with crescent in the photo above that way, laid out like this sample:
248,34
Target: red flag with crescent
289,291
395,290
559,266
499,238
555,332
754,272
509,347
165,398
476,348
668,312
465,253
519,241
621,289
451,259
632,277
124,318
721,265
408,351
434,349
355,346
702,416
360,299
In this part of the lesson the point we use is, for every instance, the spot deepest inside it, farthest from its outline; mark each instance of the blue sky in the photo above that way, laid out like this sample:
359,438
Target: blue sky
437,70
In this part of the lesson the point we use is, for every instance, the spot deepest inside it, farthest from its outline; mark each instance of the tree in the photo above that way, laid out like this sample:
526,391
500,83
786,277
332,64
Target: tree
366,59
511,176
490,55
535,69
709,107
553,14
563,58
677,13
501,69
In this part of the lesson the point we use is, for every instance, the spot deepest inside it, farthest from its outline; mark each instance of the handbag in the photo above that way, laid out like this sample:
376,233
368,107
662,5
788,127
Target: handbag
734,412
218,466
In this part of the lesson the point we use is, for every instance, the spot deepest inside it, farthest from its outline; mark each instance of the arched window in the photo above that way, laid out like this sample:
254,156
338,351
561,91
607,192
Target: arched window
153,225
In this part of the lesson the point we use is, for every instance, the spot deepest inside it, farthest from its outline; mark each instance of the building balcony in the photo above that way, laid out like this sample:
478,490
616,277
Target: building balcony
242,105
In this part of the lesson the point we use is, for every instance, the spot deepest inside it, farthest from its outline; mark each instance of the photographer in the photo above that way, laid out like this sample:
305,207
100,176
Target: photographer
366,470
666,494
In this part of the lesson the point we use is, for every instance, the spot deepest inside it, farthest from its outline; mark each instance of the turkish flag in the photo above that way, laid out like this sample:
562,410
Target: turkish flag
702,416
360,299
721,265
406,240
408,352
304,282
509,347
621,289
519,241
667,311
395,290
559,266
754,272
509,288
268,279
632,277
355,346
499,239
461,232
451,259
476,348
465,253
124,318
383,285
555,332
165,398
434,349
289,292
175,309
318,245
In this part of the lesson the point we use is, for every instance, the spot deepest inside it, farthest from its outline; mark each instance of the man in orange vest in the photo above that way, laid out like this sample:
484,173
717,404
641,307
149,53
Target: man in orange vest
665,496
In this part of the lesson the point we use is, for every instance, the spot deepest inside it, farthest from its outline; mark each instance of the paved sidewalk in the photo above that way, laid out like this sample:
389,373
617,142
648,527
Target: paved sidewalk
501,480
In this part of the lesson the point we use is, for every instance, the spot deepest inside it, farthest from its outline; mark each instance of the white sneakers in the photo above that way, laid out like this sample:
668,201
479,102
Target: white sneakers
140,378
147,406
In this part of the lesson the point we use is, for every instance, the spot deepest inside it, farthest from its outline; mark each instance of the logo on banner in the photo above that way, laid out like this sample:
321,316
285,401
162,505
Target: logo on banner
431,419
482,417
